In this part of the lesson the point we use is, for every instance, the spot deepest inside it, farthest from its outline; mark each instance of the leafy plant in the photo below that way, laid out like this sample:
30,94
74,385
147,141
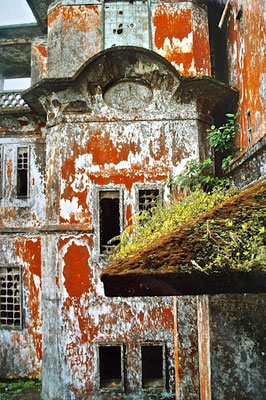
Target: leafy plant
197,175
226,161
222,138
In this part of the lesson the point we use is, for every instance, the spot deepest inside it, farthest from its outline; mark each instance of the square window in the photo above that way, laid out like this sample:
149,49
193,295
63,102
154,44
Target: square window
111,367
148,198
153,366
10,299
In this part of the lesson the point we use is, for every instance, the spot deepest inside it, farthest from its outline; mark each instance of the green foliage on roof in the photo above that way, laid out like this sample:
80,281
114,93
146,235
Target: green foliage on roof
198,233
147,226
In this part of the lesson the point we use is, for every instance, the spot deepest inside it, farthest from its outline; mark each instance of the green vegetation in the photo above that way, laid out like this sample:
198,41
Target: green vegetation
10,390
197,175
237,244
148,226
233,240
201,174
222,138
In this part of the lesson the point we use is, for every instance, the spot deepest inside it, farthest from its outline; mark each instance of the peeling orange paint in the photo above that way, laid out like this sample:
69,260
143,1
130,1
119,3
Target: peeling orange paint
76,271
247,64
29,253
80,17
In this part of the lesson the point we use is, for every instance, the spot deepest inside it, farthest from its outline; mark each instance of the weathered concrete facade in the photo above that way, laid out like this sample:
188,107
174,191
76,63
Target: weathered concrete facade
119,110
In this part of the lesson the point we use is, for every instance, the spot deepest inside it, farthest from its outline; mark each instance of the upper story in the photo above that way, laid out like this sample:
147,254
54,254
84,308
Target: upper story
69,32
76,40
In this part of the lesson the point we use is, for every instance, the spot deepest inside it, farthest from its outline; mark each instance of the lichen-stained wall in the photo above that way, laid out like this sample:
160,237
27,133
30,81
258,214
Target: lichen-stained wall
181,35
21,350
238,343
38,60
75,34
25,130
102,139
117,153
246,54
176,30
89,317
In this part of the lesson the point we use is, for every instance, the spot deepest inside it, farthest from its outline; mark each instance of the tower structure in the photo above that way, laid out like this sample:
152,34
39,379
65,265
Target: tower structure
122,95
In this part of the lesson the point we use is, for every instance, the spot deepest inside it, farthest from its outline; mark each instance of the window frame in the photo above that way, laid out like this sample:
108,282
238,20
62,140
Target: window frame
26,146
13,326
1,170
147,186
164,365
98,190
123,355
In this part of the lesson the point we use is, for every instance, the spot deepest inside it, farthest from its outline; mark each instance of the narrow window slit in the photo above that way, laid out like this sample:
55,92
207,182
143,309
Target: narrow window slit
23,172
1,172
109,220
249,135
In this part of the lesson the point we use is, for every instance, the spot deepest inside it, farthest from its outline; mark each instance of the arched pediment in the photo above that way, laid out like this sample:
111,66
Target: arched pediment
128,81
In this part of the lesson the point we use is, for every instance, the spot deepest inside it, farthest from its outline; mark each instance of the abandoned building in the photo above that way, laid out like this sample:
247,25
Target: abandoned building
121,96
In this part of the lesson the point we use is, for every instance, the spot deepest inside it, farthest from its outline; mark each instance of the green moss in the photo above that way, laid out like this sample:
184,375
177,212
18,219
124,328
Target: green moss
9,390
146,228
196,234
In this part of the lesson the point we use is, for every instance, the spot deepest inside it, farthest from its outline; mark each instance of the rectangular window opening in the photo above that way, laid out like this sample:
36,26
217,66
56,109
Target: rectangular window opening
10,298
1,172
249,135
110,358
218,43
148,199
152,367
109,220
23,172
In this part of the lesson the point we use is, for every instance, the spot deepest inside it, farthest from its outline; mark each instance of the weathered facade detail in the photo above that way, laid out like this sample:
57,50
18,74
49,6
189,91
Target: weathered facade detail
122,94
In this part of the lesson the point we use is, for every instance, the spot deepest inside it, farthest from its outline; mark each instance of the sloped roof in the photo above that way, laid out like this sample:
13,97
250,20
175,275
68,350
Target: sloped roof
174,264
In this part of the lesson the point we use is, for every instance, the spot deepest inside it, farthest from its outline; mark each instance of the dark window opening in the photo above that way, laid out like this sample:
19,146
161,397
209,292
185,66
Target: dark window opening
23,172
109,220
152,367
10,297
1,173
110,367
249,135
148,199
218,43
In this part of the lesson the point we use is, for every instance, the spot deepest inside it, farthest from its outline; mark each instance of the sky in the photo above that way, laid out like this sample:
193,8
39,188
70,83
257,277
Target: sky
14,12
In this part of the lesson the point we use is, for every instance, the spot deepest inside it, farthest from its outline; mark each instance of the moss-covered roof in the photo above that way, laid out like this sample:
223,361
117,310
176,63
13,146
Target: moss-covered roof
214,253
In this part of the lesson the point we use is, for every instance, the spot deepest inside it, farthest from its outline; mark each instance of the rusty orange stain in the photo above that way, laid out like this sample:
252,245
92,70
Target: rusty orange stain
171,23
249,66
9,170
77,16
54,13
42,50
204,347
77,272
29,252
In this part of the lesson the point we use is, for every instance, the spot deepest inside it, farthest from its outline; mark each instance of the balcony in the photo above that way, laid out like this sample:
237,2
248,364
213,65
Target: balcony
11,99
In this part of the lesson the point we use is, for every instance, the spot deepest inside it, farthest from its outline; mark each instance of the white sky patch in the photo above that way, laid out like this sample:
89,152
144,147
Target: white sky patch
15,12
17,83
